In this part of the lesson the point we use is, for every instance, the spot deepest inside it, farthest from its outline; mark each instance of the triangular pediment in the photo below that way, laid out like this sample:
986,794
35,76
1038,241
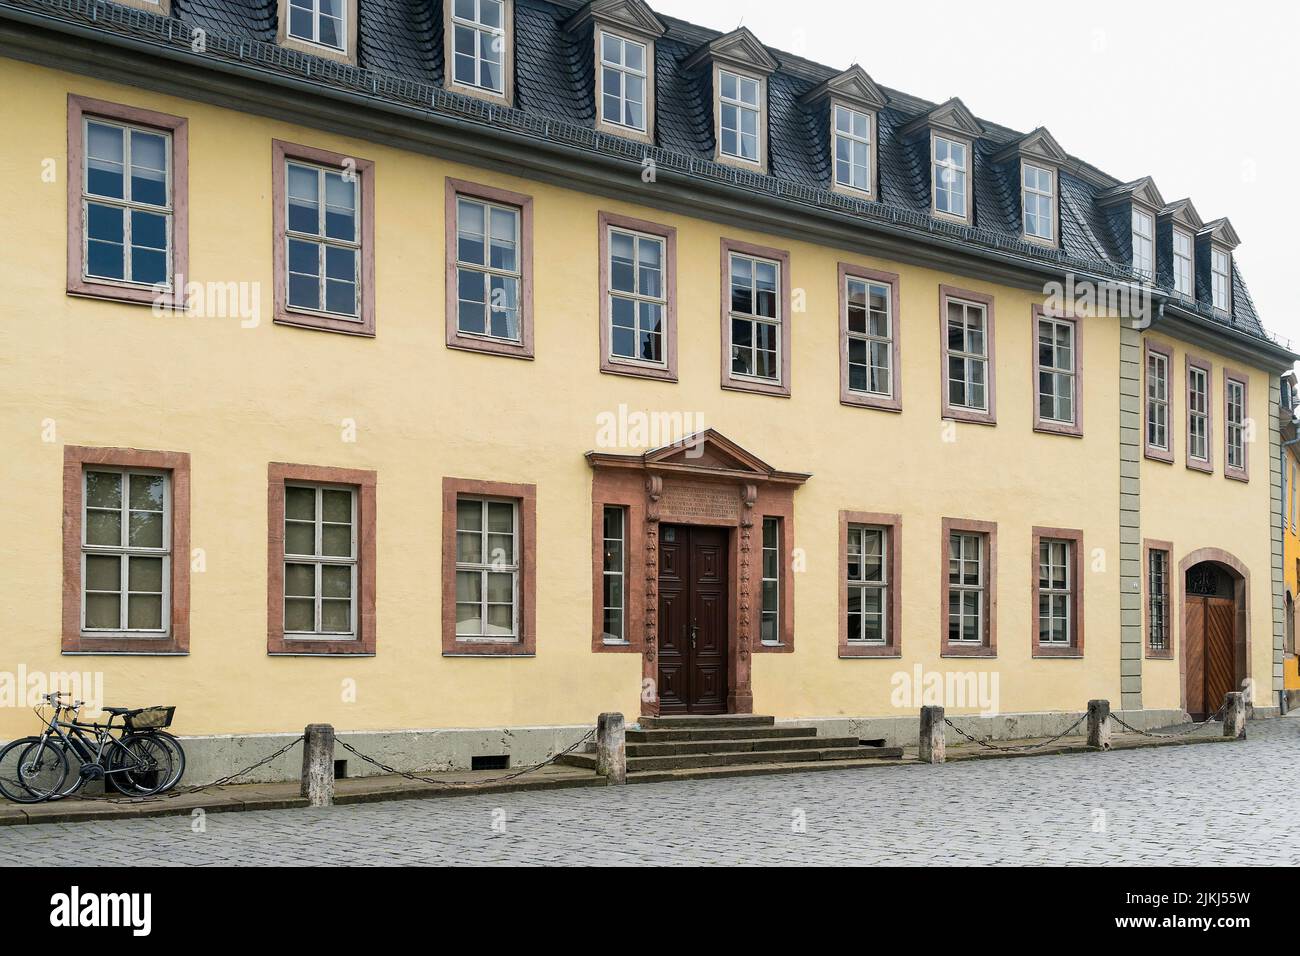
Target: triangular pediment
949,117
853,86
1039,144
703,454
1182,212
739,48
632,15
1142,191
1221,232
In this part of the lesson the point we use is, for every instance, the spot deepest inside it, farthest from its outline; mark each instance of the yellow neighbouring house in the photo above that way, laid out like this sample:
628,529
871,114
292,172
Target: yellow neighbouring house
1290,463
347,380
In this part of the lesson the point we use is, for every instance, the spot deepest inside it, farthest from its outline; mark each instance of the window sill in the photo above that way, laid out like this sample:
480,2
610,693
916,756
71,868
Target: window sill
1057,653
969,416
321,322
1166,458
980,651
130,294
852,652
479,92
464,648
280,646
1166,655
1058,428
880,403
626,132
1205,468
776,390
784,647
656,373
470,343
1234,475
123,652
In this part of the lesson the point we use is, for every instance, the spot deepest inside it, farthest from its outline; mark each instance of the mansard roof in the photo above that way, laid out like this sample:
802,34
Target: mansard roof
400,67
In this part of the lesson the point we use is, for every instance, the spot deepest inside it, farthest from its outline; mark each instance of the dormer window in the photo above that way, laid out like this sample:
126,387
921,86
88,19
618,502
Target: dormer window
480,53
318,21
853,136
1221,279
623,82
1038,202
1184,276
325,28
740,112
950,168
1144,243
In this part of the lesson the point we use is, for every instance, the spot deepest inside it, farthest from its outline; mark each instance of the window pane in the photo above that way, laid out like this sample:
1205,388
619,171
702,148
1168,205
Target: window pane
103,611
103,572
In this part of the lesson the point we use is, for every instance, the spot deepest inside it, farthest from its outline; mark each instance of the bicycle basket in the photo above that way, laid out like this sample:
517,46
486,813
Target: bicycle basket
149,718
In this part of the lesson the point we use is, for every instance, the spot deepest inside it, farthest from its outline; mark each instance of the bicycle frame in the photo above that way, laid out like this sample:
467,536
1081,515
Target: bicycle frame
73,736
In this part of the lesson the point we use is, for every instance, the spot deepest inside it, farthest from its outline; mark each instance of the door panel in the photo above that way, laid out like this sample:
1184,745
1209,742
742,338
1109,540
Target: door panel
693,607
1194,655
1220,654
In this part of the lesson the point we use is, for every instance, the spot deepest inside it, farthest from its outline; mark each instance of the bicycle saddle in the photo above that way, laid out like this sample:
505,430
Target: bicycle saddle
116,710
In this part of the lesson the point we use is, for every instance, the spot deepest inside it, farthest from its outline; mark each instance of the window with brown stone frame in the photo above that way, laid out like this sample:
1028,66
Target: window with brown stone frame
1157,564
755,318
489,237
1200,414
320,561
1056,627
324,224
871,608
1236,425
967,356
638,298
126,551
968,599
1058,379
489,569
128,203
1158,426
870,367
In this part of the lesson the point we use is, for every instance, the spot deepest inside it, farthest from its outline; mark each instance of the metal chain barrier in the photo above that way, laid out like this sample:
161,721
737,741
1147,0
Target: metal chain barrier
469,783
186,791
1194,726
1021,749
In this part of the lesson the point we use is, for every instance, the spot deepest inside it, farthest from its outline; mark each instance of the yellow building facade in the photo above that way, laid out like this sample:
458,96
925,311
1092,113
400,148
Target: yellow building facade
227,426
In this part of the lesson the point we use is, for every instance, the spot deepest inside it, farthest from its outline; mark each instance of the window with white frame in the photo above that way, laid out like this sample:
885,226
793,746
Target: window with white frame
126,551
739,115
323,239
487,569
949,168
615,575
127,203
1184,259
1056,372
1158,400
966,588
487,269
1235,423
1221,279
871,336
1038,200
320,562
967,355
479,43
623,81
637,297
319,21
1158,599
1055,592
770,612
1144,226
755,317
1198,413
852,131
868,584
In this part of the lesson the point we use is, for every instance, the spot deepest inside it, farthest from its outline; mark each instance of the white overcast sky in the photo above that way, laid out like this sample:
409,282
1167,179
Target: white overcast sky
1197,95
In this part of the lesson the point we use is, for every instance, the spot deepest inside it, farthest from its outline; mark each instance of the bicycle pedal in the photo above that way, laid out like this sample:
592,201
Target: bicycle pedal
91,771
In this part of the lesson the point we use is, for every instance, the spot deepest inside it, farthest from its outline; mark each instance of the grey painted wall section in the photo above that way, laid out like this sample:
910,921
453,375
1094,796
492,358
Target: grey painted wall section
1276,512
1130,516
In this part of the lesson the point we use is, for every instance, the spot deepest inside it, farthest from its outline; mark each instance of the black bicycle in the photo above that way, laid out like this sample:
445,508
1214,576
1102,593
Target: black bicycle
136,757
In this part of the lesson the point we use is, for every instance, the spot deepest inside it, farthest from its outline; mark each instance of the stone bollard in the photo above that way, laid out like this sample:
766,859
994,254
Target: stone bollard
611,749
318,765
1099,724
933,743
1234,717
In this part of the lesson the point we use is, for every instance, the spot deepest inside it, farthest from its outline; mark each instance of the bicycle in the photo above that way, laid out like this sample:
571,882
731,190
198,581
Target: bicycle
141,761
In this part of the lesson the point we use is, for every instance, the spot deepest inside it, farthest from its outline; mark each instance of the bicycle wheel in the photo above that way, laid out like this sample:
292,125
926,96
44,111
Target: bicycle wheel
178,758
32,770
140,765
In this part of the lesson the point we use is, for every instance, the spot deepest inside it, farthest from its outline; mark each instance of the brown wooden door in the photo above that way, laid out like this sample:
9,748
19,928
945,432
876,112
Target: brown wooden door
692,620
1210,653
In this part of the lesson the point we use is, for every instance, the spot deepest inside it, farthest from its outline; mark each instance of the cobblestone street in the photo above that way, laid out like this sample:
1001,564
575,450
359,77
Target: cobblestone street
1199,804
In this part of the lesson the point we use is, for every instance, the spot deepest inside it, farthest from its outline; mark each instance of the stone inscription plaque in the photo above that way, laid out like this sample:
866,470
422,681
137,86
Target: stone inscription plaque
685,501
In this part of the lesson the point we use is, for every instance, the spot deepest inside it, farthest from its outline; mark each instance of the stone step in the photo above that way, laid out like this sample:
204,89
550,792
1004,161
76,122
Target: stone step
718,733
719,720
695,761
680,748
760,769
